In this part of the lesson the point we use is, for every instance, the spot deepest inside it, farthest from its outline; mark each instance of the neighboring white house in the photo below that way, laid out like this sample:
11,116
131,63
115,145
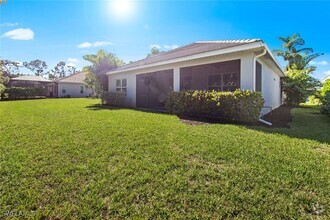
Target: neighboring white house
220,65
73,86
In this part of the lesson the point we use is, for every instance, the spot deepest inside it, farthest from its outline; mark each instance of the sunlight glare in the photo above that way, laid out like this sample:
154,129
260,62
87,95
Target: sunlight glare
122,8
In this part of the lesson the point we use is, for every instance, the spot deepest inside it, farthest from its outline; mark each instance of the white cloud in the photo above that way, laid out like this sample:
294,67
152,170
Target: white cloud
72,62
327,73
7,24
171,47
20,34
155,46
85,45
95,44
165,47
322,63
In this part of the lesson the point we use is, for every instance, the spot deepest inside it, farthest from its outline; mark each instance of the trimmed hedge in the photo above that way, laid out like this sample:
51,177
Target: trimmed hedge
118,99
243,106
15,93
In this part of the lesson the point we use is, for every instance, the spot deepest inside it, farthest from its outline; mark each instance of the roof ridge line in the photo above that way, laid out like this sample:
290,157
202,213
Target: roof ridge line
70,75
249,40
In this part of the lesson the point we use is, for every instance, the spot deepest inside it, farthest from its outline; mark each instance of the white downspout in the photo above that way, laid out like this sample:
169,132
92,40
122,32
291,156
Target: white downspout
254,80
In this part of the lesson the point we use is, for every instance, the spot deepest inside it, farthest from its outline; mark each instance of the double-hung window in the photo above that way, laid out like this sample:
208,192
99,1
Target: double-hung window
121,85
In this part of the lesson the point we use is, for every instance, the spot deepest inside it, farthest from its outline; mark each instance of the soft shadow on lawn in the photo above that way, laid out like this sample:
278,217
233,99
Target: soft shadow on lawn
98,107
307,123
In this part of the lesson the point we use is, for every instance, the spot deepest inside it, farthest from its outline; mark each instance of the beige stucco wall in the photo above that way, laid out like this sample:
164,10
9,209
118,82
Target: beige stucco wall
270,80
73,89
270,86
246,72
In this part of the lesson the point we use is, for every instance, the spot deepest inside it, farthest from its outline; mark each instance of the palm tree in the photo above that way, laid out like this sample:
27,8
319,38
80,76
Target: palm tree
296,56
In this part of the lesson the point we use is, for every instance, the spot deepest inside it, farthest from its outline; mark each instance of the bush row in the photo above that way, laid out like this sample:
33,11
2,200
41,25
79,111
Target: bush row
14,93
243,106
114,99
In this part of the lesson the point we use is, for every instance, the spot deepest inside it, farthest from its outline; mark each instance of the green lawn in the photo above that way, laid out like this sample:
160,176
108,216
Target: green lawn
66,158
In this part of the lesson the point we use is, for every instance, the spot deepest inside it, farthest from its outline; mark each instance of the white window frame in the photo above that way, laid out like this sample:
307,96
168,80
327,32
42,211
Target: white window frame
119,86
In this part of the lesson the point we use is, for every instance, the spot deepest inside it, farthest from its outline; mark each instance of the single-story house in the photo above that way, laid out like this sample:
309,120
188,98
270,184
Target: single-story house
73,86
70,86
35,81
224,65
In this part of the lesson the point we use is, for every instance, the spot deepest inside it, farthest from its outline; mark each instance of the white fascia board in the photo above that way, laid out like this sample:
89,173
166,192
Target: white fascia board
240,48
275,61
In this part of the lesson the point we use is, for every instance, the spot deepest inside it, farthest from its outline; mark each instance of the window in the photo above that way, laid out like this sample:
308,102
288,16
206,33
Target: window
223,82
230,82
258,77
187,83
121,85
63,90
214,82
81,89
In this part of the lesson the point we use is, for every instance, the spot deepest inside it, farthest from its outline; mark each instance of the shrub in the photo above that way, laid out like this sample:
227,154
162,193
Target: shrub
244,106
325,98
25,93
325,108
118,99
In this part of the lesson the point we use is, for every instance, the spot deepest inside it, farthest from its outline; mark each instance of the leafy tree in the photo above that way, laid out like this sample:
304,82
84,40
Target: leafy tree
36,66
101,63
293,52
325,98
298,83
61,70
10,68
298,86
3,82
153,51
92,83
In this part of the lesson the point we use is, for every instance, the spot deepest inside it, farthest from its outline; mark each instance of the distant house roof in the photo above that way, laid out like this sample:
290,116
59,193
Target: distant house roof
31,78
74,78
197,49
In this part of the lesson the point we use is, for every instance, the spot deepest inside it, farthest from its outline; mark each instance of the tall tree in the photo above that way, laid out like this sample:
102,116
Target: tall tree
92,83
10,68
299,82
298,57
154,51
36,66
4,80
101,63
61,70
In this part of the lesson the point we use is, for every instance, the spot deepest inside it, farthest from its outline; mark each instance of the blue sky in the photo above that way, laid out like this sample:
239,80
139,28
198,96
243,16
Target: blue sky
66,30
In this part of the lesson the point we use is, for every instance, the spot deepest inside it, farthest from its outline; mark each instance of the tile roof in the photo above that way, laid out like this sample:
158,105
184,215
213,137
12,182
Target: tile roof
190,49
74,78
31,78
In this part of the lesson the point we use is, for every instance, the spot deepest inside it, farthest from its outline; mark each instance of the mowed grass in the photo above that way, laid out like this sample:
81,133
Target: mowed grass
67,158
